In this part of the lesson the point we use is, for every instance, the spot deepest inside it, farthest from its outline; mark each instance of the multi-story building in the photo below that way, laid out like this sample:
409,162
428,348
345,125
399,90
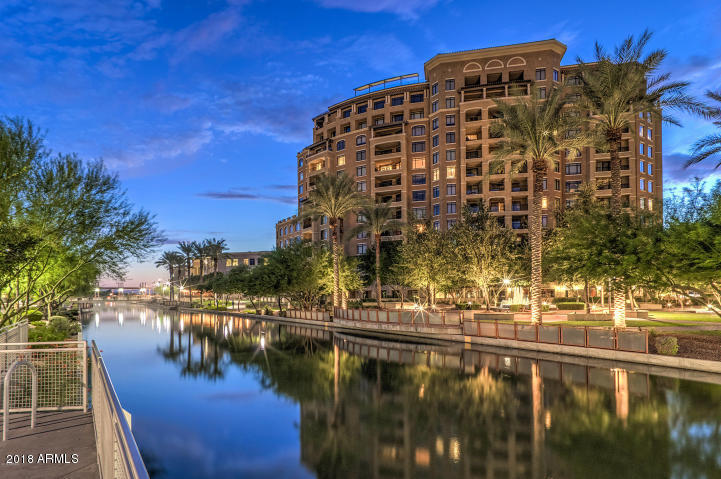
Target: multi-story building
228,261
425,147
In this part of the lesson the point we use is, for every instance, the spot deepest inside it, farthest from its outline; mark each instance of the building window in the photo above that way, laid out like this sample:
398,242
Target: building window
362,235
437,225
650,169
228,262
642,183
434,89
451,137
360,171
418,130
419,195
397,117
451,102
419,179
450,224
419,163
450,155
541,93
642,148
340,146
556,166
555,75
360,219
361,108
397,101
300,189
361,186
649,134
436,174
450,120
650,204
435,158
416,115
640,130
436,192
544,221
324,220
451,189
434,106
245,261
436,209
642,203
378,120
417,98
419,213
451,207
650,151
642,166
450,172
544,202
360,155
340,161
650,186
573,169
540,74
418,146
379,105
323,235
434,140
360,140
346,128
450,84
362,125
361,248
434,123
572,186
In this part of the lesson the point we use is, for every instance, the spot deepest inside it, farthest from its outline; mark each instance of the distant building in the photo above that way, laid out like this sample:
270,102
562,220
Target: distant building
225,263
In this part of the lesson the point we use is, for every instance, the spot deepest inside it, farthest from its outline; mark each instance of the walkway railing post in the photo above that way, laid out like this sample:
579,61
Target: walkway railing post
6,395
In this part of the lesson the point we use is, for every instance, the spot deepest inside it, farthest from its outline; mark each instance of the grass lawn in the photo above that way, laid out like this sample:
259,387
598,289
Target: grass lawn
694,317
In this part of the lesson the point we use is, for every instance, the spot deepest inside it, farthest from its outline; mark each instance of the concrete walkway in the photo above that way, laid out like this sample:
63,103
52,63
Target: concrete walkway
62,445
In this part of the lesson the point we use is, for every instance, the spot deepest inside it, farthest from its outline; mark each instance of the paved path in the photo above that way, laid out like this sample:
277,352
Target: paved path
66,441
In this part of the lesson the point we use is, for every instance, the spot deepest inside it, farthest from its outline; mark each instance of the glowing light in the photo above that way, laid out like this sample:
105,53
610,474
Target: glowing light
548,420
454,449
182,325
262,342
97,290
120,319
506,281
97,320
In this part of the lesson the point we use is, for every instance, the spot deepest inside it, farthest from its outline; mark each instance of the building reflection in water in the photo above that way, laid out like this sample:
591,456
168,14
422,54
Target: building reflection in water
372,408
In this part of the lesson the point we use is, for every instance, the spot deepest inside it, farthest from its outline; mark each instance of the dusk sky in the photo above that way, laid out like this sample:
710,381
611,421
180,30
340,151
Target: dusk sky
201,106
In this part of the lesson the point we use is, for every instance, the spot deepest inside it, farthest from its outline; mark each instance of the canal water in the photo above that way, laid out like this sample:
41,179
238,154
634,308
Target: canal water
214,396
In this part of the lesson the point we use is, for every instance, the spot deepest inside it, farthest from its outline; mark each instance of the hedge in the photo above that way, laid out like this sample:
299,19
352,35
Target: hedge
571,306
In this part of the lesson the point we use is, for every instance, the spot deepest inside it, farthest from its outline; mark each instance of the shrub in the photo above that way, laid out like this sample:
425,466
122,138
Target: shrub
355,304
43,333
63,325
571,306
466,306
267,311
515,308
566,300
667,345
33,315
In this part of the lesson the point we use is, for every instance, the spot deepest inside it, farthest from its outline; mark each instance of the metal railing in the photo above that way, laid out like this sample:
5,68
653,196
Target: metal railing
54,377
15,333
118,454
416,317
312,315
583,336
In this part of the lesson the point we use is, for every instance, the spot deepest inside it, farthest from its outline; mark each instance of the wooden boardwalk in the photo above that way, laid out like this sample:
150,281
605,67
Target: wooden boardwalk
66,441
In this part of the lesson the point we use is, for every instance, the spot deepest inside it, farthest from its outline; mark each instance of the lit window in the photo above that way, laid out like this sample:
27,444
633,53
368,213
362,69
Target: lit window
436,175
235,262
419,163
340,160
228,262
450,172
642,203
544,202
245,261
650,203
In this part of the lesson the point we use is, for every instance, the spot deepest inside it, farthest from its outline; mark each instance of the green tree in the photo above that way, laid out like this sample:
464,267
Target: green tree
377,219
333,197
485,252
215,250
710,145
618,87
536,131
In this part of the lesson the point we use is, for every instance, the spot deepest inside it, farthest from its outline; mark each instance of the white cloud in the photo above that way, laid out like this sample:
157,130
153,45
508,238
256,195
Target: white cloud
407,9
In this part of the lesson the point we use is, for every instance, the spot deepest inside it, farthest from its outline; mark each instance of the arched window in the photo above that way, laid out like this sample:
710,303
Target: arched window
494,64
418,130
516,61
472,67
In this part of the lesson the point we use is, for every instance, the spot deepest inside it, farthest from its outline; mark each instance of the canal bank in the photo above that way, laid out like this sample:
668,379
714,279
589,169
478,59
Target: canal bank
455,334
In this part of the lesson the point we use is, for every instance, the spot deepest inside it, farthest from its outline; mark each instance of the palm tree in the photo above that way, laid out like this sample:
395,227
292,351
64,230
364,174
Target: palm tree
170,260
378,218
333,197
187,251
535,131
616,88
216,247
709,145
200,249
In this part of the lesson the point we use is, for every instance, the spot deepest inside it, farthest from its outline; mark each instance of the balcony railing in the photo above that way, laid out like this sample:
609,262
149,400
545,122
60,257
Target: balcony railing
473,154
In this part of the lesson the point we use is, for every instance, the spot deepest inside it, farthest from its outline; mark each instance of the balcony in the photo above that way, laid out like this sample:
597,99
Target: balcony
474,115
474,154
470,172
497,206
519,222
519,186
388,169
388,198
388,129
316,167
519,205
474,135
387,149
495,88
497,185
394,182
474,189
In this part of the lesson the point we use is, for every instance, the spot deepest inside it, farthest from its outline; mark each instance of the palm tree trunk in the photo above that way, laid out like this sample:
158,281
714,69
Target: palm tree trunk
336,265
619,298
536,233
378,269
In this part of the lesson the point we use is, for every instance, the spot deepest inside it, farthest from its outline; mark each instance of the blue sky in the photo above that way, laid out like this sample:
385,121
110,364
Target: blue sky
201,106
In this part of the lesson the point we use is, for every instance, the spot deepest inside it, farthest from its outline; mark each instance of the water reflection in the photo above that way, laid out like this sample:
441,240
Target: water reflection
382,409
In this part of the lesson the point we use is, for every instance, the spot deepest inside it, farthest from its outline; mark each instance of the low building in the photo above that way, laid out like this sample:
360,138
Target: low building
226,262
